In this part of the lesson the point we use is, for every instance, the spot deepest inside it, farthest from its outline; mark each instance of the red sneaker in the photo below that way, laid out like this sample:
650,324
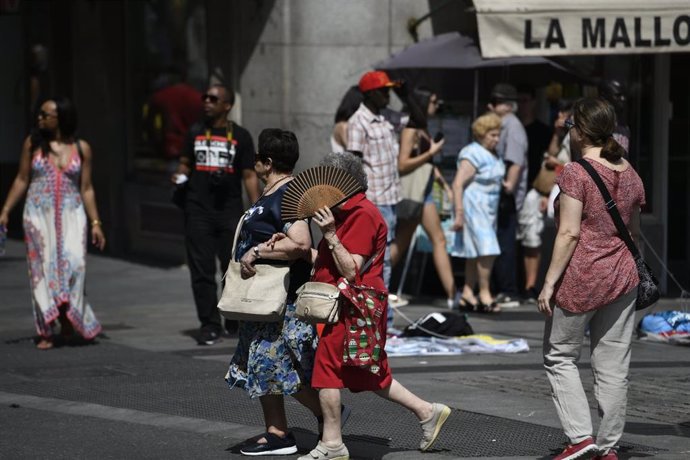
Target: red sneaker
611,455
584,449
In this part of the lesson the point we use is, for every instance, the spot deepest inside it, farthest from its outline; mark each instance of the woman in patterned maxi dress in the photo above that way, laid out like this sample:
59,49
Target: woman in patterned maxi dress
476,189
57,172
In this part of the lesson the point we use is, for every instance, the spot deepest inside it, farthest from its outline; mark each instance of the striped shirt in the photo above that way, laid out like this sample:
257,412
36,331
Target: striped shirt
376,138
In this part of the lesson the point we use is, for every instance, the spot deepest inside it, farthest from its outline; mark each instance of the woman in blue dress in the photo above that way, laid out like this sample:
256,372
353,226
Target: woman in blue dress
274,359
476,190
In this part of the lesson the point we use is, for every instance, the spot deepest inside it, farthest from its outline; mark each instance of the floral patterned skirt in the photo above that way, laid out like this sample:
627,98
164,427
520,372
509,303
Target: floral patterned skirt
273,358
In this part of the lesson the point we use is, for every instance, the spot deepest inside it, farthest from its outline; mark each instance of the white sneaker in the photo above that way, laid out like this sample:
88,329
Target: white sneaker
321,452
432,427
506,301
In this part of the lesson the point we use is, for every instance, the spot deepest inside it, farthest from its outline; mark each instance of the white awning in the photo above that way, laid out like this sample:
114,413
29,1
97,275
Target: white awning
562,27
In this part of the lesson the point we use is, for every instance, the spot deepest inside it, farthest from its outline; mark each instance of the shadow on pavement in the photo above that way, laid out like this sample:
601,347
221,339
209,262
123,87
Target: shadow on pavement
656,429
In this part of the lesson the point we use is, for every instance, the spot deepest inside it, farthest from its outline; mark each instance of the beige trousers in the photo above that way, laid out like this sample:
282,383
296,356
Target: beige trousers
611,329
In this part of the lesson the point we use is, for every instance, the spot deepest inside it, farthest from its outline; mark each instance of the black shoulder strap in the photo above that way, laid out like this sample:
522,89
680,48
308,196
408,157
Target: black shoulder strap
611,207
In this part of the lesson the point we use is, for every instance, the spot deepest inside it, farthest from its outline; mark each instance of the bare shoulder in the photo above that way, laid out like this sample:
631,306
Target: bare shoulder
26,152
26,145
85,147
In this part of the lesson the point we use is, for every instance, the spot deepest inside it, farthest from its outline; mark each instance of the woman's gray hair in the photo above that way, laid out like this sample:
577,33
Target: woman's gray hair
350,163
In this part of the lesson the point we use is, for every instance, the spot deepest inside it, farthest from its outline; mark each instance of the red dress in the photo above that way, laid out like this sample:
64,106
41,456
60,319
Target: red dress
361,230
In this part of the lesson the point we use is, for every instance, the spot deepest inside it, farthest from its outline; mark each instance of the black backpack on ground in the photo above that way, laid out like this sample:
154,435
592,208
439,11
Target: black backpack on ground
436,324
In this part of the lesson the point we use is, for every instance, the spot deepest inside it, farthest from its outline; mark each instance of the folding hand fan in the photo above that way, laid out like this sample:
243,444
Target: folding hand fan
315,188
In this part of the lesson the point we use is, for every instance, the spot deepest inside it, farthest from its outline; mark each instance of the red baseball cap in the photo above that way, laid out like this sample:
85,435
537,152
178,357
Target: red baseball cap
374,80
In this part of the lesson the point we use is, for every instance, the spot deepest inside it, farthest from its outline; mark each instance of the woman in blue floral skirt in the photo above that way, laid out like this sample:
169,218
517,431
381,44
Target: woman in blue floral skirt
274,359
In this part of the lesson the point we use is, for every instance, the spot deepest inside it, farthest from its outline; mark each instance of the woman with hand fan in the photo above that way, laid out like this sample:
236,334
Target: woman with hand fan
350,254
274,359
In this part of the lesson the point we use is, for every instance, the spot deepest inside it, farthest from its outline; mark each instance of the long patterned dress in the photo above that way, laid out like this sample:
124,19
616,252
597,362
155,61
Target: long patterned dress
55,232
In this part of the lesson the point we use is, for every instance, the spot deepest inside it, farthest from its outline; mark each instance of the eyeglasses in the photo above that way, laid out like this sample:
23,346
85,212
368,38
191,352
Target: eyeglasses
210,97
569,124
44,114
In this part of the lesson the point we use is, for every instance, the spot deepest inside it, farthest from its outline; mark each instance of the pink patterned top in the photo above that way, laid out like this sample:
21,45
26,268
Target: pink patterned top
601,268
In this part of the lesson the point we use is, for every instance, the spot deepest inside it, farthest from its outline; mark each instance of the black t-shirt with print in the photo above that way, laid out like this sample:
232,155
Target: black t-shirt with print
217,162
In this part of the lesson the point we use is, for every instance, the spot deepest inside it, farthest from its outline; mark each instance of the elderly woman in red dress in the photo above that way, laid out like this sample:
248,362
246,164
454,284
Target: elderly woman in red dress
352,235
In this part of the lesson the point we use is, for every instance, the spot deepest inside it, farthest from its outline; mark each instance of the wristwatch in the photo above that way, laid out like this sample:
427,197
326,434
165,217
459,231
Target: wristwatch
332,246
256,251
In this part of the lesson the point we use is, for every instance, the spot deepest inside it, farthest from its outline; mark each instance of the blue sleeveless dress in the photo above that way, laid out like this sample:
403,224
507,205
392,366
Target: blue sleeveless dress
480,203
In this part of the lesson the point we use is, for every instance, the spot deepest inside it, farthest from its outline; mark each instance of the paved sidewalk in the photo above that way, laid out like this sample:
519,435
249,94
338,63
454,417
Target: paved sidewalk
146,390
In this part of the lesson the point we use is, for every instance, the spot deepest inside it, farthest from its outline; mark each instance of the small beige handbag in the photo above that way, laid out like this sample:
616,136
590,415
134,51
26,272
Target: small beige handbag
318,302
259,298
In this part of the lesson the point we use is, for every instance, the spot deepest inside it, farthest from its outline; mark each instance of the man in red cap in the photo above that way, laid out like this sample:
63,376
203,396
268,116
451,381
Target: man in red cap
372,137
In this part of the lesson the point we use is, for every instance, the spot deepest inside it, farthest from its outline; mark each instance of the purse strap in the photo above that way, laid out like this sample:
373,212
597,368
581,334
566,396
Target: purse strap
365,267
623,231
237,235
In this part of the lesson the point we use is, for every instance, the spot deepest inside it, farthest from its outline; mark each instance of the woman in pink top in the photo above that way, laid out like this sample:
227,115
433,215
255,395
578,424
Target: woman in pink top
592,279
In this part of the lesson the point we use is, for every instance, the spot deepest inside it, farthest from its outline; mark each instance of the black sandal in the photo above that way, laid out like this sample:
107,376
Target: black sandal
492,308
466,305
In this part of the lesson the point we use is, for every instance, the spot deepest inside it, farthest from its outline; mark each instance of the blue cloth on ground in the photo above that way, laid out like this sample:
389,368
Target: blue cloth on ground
666,321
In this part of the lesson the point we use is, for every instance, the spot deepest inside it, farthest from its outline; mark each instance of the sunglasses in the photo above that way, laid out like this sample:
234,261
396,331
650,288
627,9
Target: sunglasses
44,114
261,158
569,124
210,97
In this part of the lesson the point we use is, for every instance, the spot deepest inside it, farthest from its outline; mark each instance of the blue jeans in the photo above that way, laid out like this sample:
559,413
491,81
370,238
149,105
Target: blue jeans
388,213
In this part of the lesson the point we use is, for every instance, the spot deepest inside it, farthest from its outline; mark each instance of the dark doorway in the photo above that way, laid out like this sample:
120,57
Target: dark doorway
679,172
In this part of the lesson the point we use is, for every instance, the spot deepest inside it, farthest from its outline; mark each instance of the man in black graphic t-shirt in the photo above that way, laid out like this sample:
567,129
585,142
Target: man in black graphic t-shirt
218,158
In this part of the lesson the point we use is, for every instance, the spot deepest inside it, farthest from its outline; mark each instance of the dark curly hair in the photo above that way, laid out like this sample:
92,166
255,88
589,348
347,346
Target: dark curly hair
281,147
